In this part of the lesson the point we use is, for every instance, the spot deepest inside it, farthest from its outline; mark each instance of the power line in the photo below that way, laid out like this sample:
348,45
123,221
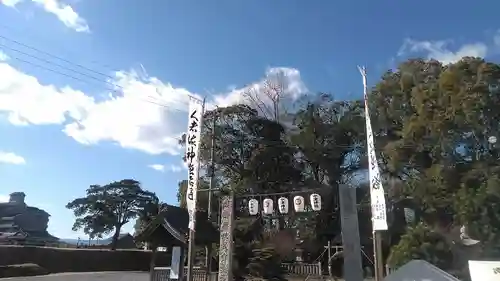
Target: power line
59,65
54,56
21,31
152,100
52,63
83,81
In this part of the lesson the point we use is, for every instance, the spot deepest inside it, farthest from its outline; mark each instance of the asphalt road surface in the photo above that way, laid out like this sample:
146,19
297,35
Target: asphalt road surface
86,276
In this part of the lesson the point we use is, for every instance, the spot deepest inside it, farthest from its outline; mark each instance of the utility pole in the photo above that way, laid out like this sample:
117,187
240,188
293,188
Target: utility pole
208,248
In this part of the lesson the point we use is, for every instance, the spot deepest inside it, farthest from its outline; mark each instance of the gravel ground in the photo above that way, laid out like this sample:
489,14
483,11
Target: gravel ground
87,276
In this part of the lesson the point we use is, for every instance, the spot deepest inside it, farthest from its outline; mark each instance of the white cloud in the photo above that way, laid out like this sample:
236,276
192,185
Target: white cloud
64,12
11,158
290,78
175,168
4,198
162,168
496,39
157,167
10,3
133,122
3,56
439,50
26,101
144,116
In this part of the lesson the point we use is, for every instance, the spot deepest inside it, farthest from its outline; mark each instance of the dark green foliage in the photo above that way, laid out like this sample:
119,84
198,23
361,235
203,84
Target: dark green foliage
422,243
254,255
266,264
147,214
107,208
433,123
480,208
246,233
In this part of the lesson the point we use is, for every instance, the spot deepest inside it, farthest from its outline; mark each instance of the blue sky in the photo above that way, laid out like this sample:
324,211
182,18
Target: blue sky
64,127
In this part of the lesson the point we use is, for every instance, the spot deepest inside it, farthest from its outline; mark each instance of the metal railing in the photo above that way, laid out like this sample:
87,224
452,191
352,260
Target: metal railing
199,274
303,269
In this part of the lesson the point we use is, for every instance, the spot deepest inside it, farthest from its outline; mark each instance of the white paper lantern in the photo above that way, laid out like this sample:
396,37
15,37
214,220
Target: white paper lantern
298,203
253,207
315,200
268,206
283,205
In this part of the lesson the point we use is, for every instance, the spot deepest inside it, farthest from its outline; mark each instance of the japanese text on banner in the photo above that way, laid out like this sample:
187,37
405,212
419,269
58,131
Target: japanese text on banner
377,195
193,136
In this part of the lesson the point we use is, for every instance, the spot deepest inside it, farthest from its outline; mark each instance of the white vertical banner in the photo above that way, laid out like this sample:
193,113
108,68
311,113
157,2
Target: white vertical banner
175,265
377,196
193,135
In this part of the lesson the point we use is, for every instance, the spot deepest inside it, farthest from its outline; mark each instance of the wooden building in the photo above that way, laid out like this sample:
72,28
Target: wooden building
170,229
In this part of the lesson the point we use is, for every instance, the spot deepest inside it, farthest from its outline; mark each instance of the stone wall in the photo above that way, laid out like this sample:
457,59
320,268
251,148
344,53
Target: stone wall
57,260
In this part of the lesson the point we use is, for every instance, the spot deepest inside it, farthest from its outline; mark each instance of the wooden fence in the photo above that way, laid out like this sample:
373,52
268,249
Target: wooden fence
303,269
199,274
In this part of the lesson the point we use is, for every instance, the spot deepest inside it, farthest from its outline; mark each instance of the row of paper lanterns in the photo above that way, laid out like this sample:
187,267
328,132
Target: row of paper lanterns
298,205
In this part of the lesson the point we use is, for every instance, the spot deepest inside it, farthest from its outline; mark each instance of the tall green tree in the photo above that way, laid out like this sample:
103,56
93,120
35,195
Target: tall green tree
329,137
106,208
148,213
424,243
272,166
432,123
233,143
250,152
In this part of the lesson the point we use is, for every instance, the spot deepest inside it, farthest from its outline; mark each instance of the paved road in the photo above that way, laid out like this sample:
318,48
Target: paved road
87,276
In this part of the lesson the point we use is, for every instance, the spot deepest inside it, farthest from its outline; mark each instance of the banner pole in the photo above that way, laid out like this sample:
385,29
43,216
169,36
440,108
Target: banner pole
377,201
192,233
191,247
378,259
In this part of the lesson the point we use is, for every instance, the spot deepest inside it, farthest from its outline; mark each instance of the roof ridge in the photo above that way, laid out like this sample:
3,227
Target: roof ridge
437,270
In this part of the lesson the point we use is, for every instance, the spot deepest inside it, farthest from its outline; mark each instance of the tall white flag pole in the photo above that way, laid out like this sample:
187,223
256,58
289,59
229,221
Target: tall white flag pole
193,141
377,196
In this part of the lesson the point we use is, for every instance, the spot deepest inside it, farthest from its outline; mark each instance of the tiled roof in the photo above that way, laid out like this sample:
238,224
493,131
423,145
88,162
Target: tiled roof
420,270
174,220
